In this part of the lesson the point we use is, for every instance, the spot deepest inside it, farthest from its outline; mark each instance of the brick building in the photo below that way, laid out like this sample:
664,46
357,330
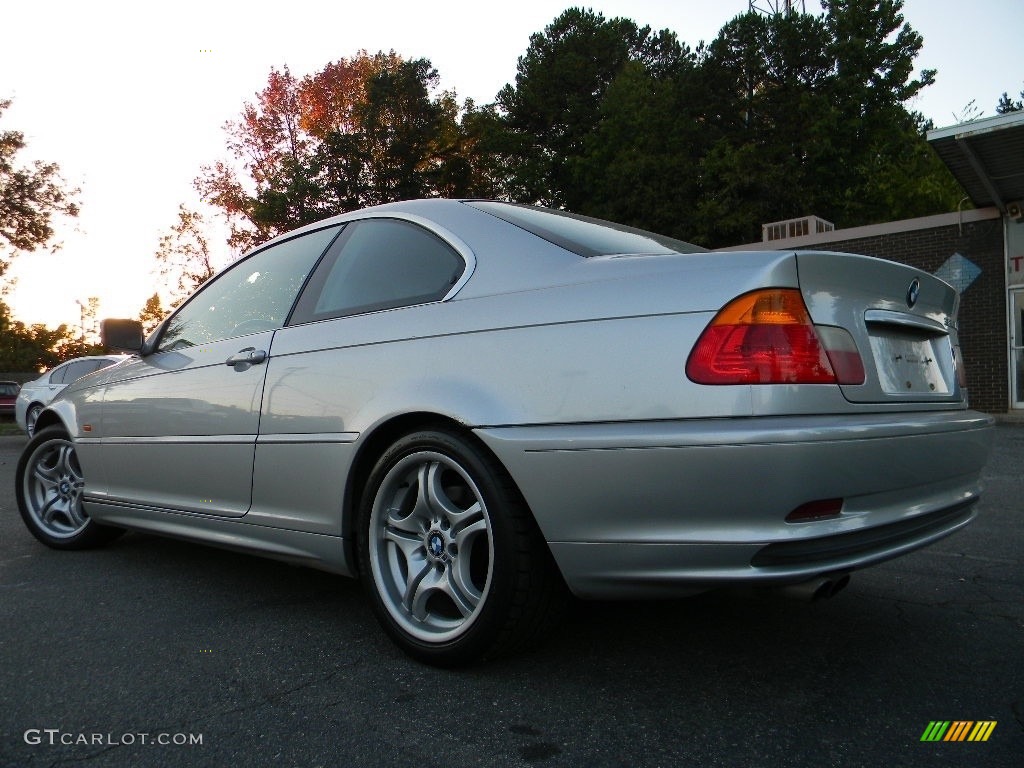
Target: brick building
979,251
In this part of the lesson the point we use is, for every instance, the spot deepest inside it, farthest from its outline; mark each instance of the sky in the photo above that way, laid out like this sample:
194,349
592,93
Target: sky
130,98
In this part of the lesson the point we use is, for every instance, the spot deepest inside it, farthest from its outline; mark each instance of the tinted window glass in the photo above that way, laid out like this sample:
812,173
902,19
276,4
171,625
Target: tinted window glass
9,390
380,264
253,295
78,369
583,235
57,377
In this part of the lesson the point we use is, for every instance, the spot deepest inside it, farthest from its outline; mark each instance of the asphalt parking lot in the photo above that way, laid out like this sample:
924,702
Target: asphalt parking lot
153,652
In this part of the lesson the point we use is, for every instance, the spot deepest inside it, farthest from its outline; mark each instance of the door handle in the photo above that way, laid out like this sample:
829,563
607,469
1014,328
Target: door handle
249,355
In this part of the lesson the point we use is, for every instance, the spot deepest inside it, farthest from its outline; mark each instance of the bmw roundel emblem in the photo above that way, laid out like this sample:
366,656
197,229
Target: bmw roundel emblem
436,544
913,292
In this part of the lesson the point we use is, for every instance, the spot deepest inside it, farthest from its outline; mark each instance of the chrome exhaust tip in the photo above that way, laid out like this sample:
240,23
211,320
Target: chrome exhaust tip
818,588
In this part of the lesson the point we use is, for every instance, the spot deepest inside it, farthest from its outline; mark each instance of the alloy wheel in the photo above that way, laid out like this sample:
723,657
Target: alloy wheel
431,546
52,489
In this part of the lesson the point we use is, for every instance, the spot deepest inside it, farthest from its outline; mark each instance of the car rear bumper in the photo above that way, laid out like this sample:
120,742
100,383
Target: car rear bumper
664,508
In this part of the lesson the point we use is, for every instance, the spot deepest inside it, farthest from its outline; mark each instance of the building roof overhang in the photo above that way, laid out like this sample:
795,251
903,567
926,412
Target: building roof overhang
987,158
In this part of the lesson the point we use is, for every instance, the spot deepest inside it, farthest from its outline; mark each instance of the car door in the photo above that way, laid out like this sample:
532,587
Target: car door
329,363
179,426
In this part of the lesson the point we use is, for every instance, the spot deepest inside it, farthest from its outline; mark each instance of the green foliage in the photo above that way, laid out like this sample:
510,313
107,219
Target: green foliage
779,116
36,347
1007,105
30,196
559,95
639,165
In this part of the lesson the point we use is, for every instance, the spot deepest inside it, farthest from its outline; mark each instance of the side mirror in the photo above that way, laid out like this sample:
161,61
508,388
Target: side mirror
121,335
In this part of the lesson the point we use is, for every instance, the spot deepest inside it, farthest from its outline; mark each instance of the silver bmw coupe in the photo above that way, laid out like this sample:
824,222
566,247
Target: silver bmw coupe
479,407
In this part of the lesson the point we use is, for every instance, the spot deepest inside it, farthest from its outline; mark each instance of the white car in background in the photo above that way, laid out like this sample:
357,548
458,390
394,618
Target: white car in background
36,395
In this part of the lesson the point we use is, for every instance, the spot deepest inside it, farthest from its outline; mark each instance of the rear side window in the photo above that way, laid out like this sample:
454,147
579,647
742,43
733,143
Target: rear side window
584,235
8,390
379,264
57,377
79,368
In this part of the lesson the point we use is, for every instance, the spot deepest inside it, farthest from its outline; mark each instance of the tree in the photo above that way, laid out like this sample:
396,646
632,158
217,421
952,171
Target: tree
270,143
361,131
556,103
36,347
778,117
152,314
390,148
1007,105
184,255
812,120
640,164
30,196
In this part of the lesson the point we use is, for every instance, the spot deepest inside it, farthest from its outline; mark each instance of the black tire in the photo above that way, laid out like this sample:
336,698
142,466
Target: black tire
450,557
48,486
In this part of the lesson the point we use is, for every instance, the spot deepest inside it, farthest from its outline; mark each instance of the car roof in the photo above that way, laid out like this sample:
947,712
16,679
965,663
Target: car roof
502,257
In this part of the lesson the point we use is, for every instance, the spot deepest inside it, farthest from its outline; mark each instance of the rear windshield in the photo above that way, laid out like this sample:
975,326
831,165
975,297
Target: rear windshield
581,234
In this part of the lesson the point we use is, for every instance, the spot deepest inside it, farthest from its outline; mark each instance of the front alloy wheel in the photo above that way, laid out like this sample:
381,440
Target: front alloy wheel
453,562
49,484
31,417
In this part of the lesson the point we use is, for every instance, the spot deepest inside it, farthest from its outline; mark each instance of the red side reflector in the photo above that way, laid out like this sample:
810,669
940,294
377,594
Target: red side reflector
815,510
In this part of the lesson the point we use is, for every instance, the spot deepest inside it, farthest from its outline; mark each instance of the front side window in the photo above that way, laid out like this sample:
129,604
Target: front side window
380,264
253,295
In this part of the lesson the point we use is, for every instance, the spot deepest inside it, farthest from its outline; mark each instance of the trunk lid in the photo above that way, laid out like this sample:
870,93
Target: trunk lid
903,321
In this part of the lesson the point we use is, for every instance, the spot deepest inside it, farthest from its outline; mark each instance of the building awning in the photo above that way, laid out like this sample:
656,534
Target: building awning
987,158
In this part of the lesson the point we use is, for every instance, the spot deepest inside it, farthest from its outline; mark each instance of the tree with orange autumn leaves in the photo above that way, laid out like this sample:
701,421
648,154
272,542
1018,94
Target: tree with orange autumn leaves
361,131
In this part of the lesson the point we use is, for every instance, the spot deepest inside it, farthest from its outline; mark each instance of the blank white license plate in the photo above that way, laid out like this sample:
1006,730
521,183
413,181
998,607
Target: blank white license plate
913,365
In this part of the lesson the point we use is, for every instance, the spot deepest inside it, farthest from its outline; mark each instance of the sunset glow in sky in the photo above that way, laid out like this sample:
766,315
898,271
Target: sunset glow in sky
130,98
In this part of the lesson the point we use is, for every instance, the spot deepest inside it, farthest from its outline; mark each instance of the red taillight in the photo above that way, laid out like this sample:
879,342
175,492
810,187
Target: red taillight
842,353
767,337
